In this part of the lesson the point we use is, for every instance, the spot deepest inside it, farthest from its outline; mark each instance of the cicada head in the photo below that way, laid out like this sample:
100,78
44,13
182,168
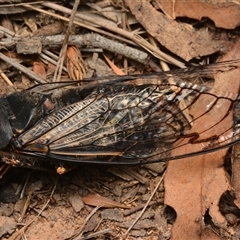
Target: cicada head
5,127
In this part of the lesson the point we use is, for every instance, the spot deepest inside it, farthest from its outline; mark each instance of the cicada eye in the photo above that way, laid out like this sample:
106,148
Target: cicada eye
5,129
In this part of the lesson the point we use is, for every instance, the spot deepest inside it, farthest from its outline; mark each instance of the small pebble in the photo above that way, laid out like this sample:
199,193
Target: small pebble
76,203
112,214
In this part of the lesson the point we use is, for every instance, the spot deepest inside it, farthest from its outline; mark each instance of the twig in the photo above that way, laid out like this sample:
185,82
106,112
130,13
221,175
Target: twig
50,54
43,208
93,40
124,25
21,68
135,175
94,235
5,78
58,71
94,29
145,207
26,205
25,185
46,57
79,234
19,4
130,35
96,40
8,32
136,209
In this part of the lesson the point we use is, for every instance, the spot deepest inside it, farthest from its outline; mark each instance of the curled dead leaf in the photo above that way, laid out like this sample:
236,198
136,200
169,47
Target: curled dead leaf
195,185
117,70
217,11
39,69
99,201
75,64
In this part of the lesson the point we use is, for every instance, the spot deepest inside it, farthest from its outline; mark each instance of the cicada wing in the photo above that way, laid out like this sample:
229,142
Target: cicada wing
127,124
129,119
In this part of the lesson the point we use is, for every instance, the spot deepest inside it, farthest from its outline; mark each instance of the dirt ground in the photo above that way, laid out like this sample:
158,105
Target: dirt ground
117,38
45,205
60,213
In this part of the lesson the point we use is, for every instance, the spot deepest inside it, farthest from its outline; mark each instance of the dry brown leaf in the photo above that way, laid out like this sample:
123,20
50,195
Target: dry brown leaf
39,69
6,23
195,185
31,23
75,64
180,38
99,201
50,29
117,70
235,174
217,11
13,55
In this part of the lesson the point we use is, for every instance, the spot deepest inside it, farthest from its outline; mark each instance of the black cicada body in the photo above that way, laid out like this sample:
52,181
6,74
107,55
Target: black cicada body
124,120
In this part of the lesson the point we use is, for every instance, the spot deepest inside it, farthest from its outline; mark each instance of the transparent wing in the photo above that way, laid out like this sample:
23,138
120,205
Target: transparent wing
128,120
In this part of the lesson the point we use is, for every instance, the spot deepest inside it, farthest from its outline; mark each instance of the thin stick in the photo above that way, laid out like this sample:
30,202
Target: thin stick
43,208
145,207
79,234
96,40
58,71
94,29
46,58
21,68
130,35
90,40
136,209
5,78
94,235
26,205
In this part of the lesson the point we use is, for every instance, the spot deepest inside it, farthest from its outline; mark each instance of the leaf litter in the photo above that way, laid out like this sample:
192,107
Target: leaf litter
194,188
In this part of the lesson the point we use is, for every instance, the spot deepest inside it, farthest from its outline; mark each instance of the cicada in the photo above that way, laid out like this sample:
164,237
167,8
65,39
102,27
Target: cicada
134,119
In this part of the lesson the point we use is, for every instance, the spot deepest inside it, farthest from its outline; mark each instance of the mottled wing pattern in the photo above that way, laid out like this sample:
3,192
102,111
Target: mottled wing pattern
125,120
